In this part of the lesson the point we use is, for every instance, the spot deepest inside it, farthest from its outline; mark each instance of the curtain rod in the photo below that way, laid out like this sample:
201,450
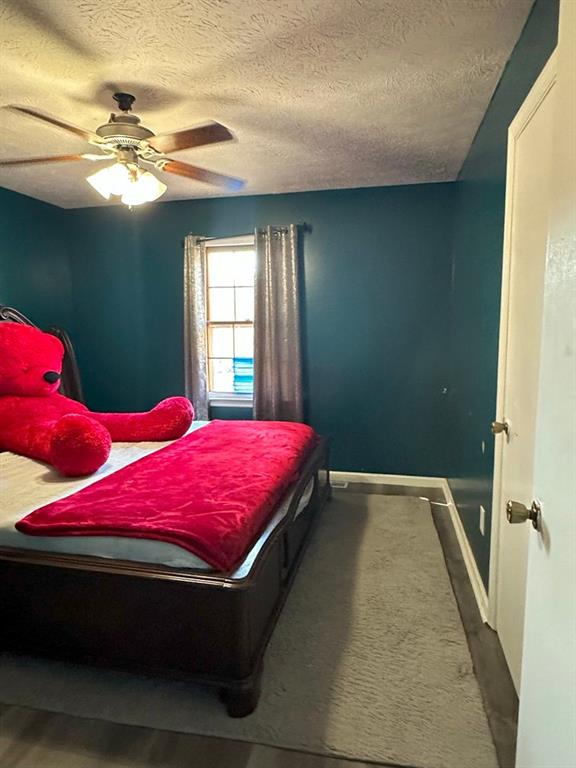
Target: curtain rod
225,237
303,226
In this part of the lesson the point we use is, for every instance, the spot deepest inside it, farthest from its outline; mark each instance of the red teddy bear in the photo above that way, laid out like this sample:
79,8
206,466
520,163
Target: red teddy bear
35,421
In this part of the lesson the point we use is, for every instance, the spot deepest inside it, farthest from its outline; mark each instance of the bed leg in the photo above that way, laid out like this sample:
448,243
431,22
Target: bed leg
241,701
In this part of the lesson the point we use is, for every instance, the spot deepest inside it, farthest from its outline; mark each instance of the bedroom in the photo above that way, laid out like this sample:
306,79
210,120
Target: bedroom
380,127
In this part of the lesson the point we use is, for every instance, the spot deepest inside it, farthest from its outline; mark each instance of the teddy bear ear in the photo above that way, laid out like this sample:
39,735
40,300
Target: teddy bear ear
56,341
11,333
50,341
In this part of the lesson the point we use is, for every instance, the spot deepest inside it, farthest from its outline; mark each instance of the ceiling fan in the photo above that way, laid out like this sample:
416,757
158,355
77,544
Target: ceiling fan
128,143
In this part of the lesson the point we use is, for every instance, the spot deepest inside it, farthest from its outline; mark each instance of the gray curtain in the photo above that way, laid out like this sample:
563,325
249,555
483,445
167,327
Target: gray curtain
195,352
277,355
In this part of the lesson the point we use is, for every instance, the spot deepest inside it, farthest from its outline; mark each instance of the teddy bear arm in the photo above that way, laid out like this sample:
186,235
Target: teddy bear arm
168,420
34,440
122,426
74,444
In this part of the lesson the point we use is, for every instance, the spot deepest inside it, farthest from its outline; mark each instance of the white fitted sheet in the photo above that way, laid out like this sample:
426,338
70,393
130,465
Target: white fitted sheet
26,485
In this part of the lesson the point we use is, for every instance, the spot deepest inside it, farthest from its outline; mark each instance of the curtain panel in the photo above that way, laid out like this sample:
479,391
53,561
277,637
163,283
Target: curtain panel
195,351
277,352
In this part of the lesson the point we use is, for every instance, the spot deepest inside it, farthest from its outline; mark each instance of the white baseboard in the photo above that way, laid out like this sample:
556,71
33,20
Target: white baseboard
431,482
469,560
371,477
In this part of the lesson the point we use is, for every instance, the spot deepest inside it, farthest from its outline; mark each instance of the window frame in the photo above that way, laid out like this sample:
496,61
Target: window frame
216,398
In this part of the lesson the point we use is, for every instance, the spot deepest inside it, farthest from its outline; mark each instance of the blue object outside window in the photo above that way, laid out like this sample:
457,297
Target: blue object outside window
243,369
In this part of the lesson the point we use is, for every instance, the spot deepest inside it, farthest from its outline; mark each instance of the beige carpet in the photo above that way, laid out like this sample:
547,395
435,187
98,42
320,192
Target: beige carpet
368,661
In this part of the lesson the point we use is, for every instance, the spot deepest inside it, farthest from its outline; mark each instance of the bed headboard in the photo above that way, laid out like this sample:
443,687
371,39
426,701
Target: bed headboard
71,385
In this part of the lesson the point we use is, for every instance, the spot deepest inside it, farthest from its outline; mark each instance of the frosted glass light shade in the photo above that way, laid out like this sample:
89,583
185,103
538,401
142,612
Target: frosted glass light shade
134,185
145,188
112,180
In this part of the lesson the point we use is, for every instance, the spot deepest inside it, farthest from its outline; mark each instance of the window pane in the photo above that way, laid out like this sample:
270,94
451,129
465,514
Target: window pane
230,267
221,304
221,341
221,375
244,341
244,304
220,268
244,267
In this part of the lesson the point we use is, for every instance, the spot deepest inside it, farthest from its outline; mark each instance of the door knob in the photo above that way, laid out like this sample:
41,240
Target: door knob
516,512
499,426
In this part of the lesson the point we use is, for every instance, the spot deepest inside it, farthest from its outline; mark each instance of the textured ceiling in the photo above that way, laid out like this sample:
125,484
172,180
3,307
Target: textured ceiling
320,94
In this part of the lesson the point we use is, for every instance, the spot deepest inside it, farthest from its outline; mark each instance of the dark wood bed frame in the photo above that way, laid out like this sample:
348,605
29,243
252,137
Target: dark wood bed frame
210,628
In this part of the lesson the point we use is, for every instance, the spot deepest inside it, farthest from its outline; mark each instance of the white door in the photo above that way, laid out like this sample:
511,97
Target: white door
526,232
547,725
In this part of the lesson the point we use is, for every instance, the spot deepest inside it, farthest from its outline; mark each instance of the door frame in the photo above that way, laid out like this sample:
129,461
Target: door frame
536,96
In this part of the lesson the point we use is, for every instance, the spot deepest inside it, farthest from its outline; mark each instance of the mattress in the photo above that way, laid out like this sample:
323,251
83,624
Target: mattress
26,484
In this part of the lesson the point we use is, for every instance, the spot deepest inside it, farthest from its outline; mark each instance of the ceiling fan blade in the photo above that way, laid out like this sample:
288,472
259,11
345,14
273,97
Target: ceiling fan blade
80,132
201,174
34,160
212,133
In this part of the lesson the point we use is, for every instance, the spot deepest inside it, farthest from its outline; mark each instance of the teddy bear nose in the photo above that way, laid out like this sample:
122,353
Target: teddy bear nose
51,377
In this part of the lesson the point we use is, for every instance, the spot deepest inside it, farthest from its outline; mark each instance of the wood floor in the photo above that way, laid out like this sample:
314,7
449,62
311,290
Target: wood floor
33,739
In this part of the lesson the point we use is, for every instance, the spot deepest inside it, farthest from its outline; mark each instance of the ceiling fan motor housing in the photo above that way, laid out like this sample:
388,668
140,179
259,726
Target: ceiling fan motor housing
124,129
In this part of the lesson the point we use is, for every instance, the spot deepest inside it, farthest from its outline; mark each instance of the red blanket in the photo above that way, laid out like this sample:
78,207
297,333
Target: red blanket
210,492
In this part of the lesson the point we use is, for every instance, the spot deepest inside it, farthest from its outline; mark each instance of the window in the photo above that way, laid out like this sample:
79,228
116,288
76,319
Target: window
230,271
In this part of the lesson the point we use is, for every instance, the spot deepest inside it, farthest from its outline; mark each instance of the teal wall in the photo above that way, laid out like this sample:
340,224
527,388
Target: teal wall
476,281
227,412
376,268
34,266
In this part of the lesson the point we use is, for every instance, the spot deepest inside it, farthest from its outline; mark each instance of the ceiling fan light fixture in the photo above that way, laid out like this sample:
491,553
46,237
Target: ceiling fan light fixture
132,184
112,180
143,189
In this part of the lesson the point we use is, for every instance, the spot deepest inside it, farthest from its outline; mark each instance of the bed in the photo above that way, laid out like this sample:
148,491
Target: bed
146,606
